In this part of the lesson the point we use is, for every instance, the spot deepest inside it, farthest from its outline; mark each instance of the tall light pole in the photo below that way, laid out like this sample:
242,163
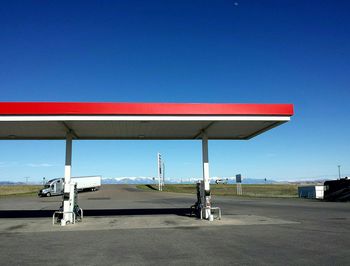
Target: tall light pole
160,172
339,170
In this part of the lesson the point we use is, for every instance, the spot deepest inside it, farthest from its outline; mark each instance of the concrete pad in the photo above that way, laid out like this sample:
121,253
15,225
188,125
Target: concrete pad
132,222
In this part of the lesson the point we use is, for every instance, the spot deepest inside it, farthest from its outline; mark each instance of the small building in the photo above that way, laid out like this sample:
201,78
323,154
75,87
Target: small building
332,190
311,192
337,190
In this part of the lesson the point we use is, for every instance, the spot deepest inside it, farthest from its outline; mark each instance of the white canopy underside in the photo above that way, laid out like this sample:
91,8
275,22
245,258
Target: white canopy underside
136,127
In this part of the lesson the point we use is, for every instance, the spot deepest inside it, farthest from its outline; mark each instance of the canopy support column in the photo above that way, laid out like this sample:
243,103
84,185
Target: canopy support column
68,201
206,211
68,164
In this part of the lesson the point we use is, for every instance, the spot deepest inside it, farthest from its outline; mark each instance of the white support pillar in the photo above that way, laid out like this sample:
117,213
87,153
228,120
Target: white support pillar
68,164
68,203
206,197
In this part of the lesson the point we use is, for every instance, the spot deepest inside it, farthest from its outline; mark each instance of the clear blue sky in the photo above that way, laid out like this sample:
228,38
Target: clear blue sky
183,51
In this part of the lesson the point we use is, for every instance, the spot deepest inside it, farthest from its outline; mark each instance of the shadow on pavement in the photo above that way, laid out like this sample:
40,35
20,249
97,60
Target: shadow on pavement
97,212
151,187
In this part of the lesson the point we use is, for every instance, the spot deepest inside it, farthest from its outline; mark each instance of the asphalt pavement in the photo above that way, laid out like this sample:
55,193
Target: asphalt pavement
127,226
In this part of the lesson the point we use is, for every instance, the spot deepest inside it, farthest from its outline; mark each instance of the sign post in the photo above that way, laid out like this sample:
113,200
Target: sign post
163,173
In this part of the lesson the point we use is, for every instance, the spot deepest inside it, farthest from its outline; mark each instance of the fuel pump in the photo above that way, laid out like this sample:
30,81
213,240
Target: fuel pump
72,211
202,208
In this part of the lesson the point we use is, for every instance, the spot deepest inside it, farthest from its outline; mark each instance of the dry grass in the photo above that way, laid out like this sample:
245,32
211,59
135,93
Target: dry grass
268,190
19,190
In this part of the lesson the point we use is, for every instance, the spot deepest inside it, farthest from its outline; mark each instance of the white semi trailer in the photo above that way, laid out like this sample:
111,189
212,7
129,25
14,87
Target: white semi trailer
55,186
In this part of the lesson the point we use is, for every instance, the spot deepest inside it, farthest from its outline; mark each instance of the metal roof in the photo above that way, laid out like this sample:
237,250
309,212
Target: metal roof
52,120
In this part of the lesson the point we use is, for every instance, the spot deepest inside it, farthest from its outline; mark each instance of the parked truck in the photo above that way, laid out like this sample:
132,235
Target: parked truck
221,181
84,183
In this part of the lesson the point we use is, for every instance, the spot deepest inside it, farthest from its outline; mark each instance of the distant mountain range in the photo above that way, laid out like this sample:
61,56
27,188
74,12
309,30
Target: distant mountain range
4,183
150,180
192,180
135,180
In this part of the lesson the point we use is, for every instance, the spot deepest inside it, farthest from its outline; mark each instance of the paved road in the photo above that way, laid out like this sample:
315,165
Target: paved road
252,232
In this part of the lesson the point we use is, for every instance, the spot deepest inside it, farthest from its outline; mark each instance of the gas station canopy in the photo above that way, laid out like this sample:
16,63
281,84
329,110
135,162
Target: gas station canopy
58,120
169,121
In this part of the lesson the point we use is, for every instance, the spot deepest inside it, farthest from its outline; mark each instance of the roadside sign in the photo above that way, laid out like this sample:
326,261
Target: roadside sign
239,178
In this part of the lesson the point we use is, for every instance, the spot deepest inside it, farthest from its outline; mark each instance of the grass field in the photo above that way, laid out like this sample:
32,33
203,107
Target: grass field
19,190
278,191
272,191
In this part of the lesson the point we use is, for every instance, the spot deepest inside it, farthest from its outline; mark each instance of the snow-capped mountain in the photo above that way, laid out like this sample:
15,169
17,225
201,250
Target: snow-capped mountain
151,180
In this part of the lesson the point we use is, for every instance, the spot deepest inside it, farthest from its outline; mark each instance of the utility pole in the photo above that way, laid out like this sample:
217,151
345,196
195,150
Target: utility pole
339,171
27,177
